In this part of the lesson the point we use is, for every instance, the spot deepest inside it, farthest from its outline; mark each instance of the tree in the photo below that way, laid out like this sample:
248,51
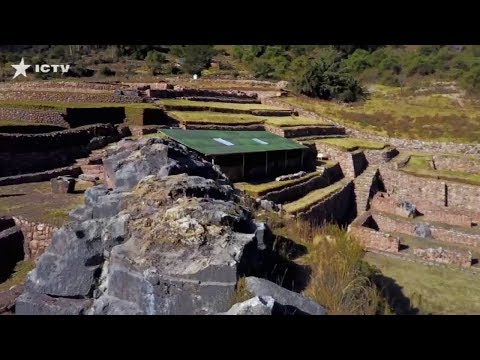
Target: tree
154,61
197,57
325,80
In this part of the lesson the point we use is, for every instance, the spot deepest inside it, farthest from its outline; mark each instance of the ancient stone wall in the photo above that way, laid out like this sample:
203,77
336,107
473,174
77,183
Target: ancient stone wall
37,237
295,192
40,176
65,96
31,153
96,170
407,144
441,193
29,129
389,205
197,126
375,157
302,131
456,163
188,92
337,207
452,235
76,117
443,256
370,238
50,117
352,163
24,143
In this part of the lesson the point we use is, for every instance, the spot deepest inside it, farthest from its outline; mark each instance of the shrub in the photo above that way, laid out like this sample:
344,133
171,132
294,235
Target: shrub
263,69
154,61
325,80
106,71
197,57
339,278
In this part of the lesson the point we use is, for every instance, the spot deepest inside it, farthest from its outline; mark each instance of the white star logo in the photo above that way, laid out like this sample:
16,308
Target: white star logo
20,69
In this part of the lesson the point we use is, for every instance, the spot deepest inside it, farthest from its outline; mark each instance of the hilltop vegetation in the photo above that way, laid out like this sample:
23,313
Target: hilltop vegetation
334,71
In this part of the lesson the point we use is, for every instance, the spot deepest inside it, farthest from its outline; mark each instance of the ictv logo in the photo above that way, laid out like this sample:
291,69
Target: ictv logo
21,68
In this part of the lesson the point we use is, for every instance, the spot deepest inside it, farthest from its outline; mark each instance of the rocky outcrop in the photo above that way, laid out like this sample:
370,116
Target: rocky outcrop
293,303
168,237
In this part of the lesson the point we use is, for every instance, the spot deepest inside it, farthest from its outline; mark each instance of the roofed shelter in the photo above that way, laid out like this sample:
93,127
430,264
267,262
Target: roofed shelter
244,154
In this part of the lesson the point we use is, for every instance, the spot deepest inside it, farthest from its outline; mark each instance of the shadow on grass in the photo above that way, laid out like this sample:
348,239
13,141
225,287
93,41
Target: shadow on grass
397,300
11,195
275,263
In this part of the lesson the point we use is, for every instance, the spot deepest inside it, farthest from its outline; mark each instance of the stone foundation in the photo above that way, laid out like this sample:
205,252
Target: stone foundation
391,224
371,239
456,163
352,163
389,204
442,256
37,237
456,196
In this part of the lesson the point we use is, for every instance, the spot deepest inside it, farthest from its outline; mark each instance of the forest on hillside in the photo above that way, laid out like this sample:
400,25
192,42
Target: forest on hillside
325,71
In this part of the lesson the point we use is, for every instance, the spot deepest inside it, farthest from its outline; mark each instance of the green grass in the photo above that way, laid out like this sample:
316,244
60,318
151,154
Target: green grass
257,190
133,111
210,117
351,144
219,105
19,275
403,114
19,123
288,121
312,197
433,289
420,166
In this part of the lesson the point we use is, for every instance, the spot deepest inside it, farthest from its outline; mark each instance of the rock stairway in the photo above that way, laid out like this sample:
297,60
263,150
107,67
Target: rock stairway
362,186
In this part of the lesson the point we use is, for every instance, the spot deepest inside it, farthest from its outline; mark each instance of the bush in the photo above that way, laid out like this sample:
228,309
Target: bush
154,61
471,80
340,281
325,80
262,69
106,71
196,58
358,61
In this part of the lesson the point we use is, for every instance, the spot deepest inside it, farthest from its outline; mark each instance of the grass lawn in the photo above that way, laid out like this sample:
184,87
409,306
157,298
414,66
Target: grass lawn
133,111
257,190
432,289
313,197
19,123
19,275
420,165
219,105
210,117
404,114
36,202
351,144
289,121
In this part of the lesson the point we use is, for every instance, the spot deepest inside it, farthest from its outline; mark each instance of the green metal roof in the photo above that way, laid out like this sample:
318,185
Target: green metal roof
216,142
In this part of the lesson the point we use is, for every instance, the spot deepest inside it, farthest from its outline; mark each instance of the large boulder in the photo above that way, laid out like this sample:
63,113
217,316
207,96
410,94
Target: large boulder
259,305
182,259
170,238
130,163
291,301
423,231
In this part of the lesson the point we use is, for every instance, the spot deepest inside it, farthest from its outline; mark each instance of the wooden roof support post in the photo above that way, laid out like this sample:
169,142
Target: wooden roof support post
243,166
266,163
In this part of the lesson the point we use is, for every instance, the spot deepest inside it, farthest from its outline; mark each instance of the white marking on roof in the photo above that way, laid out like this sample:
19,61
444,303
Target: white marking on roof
260,141
224,142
